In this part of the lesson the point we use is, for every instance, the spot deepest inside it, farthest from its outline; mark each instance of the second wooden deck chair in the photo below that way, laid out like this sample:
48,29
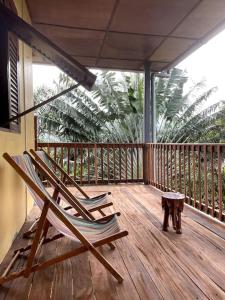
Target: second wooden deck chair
86,233
61,191
42,157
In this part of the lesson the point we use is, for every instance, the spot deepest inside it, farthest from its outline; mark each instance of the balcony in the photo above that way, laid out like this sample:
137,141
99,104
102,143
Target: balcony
155,264
196,170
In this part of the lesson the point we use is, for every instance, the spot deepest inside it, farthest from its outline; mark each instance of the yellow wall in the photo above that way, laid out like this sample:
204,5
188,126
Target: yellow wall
14,202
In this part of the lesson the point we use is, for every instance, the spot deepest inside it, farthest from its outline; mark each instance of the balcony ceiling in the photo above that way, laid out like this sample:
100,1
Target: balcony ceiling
123,34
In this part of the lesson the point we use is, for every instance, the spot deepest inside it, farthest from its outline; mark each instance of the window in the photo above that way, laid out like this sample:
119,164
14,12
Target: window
9,94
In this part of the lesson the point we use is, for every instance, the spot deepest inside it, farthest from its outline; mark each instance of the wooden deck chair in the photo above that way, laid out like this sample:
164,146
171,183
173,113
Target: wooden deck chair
61,191
42,157
45,160
87,234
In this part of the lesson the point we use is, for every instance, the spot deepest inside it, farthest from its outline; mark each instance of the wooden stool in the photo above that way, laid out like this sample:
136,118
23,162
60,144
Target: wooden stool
173,204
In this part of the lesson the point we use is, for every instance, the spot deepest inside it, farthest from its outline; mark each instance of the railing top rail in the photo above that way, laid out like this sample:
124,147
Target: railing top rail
187,144
140,145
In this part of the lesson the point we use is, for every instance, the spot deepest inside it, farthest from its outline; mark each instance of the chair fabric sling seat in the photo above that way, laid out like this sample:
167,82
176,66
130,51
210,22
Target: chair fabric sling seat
92,230
91,202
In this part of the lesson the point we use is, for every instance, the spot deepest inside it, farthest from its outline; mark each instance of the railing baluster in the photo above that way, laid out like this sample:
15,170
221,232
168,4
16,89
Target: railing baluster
171,167
132,170
88,162
126,162
55,149
151,166
220,195
193,169
96,163
212,178
180,169
167,168
108,170
114,164
102,163
158,167
75,162
205,178
62,164
189,174
137,162
81,164
120,162
175,166
68,160
199,177
163,169
184,170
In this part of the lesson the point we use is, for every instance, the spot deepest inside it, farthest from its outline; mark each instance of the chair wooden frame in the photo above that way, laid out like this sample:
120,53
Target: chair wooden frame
40,237
65,176
60,188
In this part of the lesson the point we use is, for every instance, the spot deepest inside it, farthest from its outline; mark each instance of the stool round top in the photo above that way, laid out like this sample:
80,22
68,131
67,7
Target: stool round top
173,196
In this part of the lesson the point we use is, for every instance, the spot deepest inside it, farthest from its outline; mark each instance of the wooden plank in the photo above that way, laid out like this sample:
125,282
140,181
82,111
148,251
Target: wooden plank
12,290
164,271
82,286
42,280
62,276
206,285
155,265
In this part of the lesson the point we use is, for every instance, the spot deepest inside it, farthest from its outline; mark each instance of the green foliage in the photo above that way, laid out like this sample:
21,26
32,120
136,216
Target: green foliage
113,111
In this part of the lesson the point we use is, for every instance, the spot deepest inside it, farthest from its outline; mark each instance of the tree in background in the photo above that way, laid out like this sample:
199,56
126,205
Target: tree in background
113,111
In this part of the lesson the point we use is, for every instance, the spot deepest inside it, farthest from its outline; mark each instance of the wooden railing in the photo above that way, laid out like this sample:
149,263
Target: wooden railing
98,163
197,170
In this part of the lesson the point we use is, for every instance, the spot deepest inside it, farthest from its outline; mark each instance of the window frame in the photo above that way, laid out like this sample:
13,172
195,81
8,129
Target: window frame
9,77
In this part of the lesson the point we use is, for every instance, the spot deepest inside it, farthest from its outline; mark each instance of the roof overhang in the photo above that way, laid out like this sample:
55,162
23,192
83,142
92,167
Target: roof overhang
124,34
46,48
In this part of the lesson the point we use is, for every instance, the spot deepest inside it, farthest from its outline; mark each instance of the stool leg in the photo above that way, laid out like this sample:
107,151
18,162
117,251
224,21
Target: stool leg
174,219
179,231
166,218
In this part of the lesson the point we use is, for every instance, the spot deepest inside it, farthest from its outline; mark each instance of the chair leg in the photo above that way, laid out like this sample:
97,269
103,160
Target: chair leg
43,265
31,230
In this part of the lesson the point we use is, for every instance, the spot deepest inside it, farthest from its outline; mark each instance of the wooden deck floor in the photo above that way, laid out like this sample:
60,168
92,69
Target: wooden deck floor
155,264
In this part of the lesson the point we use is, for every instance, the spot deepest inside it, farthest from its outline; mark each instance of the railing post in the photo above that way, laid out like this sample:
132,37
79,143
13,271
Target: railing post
146,163
96,163
35,132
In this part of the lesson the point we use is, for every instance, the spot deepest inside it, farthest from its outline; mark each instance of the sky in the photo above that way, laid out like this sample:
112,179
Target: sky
207,62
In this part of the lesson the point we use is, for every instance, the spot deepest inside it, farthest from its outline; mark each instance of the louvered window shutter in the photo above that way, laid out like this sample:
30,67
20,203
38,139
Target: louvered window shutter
13,79
9,58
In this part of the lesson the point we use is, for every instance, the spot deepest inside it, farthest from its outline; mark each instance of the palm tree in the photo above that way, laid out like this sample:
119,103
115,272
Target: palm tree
113,112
